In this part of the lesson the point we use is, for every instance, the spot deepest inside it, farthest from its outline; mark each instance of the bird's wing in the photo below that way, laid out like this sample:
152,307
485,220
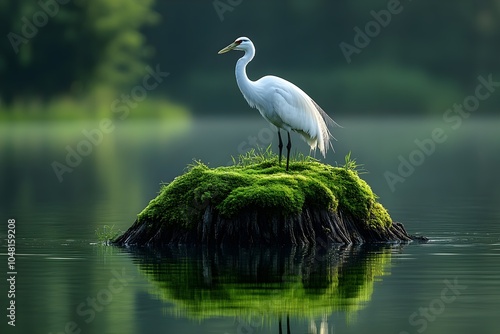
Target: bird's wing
300,113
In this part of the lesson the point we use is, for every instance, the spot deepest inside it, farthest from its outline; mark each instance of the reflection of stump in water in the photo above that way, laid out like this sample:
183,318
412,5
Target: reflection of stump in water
266,283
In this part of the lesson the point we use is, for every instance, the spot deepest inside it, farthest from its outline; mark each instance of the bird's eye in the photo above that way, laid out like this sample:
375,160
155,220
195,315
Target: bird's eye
238,41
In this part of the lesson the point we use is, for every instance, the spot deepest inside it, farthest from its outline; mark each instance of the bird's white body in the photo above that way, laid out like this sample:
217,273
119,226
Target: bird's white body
282,103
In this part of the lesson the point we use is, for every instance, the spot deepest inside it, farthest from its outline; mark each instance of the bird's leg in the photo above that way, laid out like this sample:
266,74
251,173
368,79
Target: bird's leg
280,146
279,325
288,146
287,324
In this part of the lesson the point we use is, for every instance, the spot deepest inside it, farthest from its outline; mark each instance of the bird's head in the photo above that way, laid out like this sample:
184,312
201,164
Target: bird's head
241,43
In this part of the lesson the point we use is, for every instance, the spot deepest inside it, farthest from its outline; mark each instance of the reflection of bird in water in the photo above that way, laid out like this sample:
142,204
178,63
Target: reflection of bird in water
323,328
287,325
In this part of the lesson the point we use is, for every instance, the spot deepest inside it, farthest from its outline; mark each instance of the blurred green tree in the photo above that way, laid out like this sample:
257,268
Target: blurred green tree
55,47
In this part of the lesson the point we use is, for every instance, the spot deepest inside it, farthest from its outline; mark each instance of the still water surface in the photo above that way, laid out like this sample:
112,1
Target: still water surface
67,282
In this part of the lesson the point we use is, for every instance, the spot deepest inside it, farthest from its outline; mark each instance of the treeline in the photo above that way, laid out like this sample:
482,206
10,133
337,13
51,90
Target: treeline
422,58
358,56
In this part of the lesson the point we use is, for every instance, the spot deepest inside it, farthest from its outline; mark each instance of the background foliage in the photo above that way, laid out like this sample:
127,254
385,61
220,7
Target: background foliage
83,43
427,58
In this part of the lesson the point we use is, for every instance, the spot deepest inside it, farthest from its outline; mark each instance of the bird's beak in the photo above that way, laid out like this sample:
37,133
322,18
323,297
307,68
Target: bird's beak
228,48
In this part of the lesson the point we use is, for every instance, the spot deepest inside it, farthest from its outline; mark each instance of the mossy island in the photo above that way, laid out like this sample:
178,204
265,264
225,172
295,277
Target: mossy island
256,202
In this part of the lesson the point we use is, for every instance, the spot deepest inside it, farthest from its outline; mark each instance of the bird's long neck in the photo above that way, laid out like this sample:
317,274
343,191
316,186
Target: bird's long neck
244,83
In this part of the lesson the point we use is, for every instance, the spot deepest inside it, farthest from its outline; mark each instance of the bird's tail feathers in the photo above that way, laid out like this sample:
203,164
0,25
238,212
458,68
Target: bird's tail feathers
325,142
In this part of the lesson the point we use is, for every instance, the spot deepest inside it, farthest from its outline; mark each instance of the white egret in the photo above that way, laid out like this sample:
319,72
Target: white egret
282,103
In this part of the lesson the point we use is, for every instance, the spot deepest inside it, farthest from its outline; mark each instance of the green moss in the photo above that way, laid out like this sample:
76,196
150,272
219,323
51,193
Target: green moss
258,182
